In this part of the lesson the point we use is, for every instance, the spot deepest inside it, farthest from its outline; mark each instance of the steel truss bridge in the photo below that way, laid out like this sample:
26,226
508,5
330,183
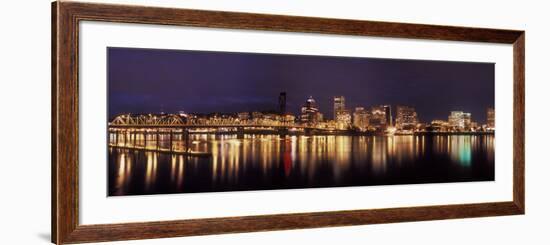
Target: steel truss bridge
177,121
170,132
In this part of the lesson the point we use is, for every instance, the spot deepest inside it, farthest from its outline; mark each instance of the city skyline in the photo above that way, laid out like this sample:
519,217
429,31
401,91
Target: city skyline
411,83
202,121
378,119
340,108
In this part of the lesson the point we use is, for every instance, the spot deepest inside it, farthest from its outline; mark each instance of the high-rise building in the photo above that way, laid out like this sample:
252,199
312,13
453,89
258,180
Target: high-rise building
339,105
455,119
282,102
342,116
361,118
491,118
378,118
460,120
468,120
343,119
387,111
310,112
406,117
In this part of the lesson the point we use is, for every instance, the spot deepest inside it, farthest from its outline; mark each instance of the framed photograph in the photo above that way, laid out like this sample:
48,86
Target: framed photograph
176,122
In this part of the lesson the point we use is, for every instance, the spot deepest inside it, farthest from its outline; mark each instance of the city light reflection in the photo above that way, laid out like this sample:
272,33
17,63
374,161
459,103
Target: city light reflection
297,161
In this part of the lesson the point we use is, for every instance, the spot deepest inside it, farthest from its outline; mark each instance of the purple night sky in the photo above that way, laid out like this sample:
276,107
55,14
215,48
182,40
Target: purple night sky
151,80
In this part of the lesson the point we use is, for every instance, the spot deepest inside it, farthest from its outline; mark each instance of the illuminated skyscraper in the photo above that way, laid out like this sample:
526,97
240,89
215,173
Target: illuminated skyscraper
491,118
460,120
343,119
378,118
339,105
361,118
310,112
387,111
342,116
406,117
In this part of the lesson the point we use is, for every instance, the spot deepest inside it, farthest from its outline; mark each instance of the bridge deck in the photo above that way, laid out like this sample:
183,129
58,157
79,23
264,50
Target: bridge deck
187,153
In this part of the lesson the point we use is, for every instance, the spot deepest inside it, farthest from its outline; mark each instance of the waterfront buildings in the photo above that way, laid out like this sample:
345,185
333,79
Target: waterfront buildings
310,112
361,119
459,120
378,118
439,126
256,115
342,116
339,105
406,118
490,118
387,111
343,120
243,116
288,119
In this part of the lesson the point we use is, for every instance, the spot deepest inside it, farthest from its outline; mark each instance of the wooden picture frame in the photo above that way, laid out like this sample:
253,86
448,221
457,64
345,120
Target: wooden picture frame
65,121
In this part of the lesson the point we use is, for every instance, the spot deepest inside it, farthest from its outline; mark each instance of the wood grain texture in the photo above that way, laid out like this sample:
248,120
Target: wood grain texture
235,20
54,123
65,30
65,150
519,122
149,230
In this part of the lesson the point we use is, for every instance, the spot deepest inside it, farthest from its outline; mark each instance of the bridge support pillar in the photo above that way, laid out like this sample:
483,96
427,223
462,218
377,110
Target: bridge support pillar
115,132
171,138
240,132
134,134
124,137
145,139
282,132
185,138
157,138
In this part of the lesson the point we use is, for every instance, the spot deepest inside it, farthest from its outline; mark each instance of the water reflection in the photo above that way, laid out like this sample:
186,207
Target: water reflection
276,162
151,172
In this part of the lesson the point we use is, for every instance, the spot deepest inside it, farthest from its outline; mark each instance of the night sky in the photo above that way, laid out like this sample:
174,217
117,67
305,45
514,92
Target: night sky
153,80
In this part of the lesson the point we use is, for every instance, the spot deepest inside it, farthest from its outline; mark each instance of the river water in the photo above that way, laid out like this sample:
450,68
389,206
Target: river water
263,162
